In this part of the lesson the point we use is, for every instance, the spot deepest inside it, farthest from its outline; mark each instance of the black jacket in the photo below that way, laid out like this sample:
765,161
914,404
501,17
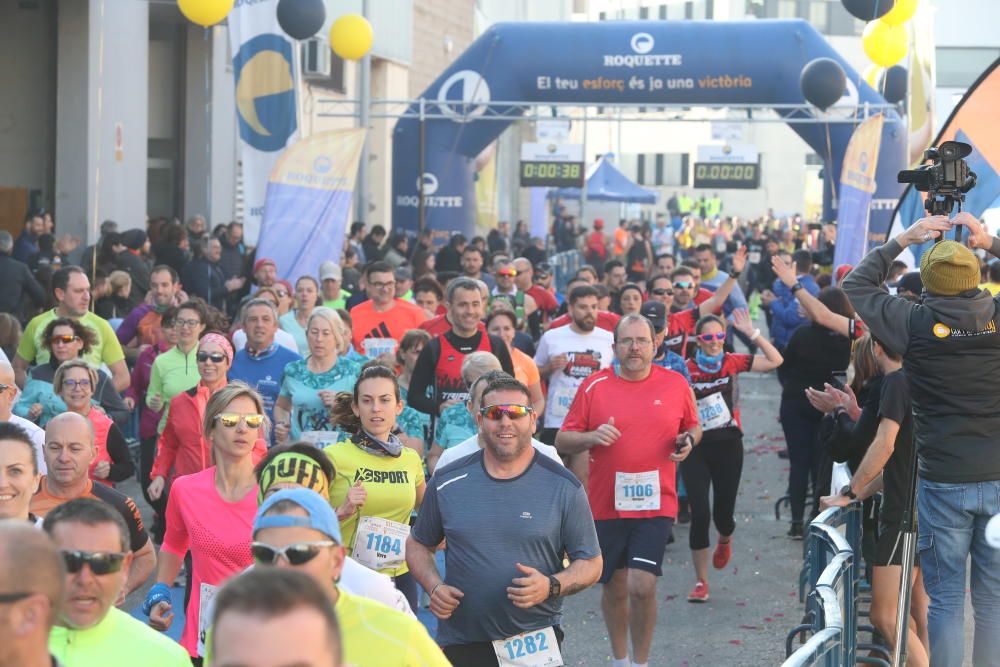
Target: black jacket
17,283
203,279
136,267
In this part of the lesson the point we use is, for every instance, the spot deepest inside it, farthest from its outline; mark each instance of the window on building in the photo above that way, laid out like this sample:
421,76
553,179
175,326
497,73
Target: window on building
663,12
787,9
959,66
644,13
699,9
842,23
814,160
670,169
819,15
602,16
755,8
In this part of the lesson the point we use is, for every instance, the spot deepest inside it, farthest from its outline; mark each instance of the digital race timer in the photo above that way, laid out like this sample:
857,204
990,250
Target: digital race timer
727,175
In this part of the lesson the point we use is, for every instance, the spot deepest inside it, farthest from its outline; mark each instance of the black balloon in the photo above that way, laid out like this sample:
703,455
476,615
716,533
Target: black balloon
892,84
868,10
823,82
301,19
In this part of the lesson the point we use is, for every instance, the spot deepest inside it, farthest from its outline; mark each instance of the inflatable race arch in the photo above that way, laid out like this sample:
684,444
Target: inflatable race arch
621,62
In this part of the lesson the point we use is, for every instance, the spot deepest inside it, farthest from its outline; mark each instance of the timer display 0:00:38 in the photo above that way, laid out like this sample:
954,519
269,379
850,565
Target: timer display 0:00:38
555,174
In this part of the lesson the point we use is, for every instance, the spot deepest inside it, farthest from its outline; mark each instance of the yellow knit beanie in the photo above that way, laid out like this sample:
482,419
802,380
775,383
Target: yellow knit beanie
949,268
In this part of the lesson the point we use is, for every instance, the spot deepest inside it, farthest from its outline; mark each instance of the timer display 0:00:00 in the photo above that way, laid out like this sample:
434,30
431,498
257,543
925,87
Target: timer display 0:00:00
736,172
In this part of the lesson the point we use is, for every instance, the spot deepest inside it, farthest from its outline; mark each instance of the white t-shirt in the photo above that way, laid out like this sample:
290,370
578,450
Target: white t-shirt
281,337
471,446
357,579
37,435
588,353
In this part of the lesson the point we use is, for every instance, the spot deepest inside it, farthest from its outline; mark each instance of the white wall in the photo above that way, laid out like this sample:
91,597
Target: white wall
102,83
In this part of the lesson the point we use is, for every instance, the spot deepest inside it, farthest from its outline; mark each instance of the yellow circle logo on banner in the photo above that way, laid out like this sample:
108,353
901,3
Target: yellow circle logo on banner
351,36
205,12
941,330
885,44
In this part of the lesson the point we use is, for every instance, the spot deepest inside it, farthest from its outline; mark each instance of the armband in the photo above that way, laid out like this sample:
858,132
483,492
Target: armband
160,592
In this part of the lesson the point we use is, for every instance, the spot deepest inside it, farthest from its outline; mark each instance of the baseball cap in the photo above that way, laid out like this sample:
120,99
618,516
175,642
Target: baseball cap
403,273
329,271
655,312
262,262
321,515
598,223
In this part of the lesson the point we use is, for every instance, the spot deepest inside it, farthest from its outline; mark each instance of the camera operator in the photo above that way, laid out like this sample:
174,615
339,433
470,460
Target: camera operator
949,344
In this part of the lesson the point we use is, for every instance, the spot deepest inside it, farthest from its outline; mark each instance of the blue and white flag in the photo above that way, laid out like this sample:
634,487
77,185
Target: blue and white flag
264,71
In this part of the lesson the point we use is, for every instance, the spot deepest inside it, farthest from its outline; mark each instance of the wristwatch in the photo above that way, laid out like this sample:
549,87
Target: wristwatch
555,588
797,286
846,491
735,274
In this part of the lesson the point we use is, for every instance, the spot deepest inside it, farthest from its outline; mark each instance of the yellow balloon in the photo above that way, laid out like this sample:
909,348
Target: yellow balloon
871,75
205,12
351,36
901,12
885,44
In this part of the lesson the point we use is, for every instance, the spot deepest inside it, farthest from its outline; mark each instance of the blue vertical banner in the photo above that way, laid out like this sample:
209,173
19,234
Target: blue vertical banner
264,70
857,184
308,201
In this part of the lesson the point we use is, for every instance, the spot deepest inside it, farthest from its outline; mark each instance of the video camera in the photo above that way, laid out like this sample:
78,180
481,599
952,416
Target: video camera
945,180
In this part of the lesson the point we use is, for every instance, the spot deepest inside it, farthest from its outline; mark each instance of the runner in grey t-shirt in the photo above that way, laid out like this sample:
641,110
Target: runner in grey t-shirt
509,515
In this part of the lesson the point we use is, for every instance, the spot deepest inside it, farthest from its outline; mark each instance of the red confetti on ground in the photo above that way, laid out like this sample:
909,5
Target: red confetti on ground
735,642
792,594
779,615
669,598
768,619
736,570
757,557
741,604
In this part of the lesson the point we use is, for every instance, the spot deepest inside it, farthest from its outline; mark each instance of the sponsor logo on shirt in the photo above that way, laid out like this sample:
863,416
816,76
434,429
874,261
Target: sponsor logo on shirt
382,476
943,331
525,515
582,365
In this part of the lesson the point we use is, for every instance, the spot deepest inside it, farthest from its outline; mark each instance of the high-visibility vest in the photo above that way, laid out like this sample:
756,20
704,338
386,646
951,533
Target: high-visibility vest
684,204
713,207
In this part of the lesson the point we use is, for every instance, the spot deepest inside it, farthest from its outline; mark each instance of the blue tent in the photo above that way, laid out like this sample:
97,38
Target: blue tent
606,183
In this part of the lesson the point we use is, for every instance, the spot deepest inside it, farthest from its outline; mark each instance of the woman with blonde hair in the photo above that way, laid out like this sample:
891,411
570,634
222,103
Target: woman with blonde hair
210,513
309,386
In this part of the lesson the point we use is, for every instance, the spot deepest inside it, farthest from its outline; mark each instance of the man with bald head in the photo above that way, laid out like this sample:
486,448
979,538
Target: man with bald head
8,397
69,451
546,301
31,592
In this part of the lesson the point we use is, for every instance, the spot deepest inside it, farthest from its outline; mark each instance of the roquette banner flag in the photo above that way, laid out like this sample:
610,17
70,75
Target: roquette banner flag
308,202
857,183
974,122
264,71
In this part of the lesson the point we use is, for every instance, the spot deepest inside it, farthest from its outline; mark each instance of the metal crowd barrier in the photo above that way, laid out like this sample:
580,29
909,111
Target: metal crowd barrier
564,266
829,584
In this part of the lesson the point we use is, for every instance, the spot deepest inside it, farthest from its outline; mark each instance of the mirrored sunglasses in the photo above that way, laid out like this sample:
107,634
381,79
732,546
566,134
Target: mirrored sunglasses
498,412
298,553
231,419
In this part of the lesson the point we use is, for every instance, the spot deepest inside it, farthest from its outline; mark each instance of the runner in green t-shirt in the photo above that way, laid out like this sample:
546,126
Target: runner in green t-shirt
71,288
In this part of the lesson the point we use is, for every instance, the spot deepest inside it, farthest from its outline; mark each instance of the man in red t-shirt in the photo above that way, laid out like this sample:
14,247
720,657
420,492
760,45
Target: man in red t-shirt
637,421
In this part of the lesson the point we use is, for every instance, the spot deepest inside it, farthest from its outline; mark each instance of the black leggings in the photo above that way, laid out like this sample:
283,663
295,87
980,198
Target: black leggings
717,462
800,421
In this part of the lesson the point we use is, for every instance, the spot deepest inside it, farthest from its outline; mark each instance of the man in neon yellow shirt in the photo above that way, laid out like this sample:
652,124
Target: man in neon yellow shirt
90,631
71,288
297,529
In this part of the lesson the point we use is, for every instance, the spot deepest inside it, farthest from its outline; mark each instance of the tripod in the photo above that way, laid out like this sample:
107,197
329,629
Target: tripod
908,532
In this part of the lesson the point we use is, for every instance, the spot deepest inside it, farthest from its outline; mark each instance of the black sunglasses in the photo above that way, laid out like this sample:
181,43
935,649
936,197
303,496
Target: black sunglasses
100,562
298,553
13,597
216,357
662,291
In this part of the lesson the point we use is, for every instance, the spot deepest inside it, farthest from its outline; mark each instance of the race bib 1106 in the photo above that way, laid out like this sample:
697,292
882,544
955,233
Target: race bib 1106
637,491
